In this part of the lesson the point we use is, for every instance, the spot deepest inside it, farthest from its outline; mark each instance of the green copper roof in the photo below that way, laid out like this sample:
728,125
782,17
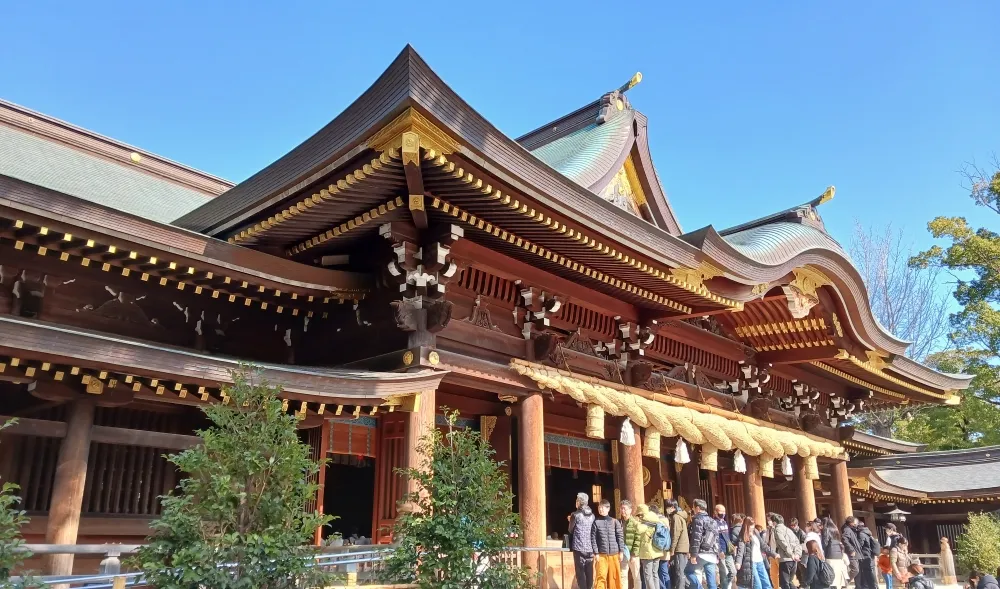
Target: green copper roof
776,243
588,154
33,159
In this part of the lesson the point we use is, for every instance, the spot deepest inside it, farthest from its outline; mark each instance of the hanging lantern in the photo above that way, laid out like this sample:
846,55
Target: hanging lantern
651,444
786,467
739,462
709,457
595,422
628,434
766,466
681,455
812,468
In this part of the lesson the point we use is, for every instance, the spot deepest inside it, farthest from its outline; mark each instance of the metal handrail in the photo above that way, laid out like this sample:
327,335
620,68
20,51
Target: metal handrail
107,581
342,558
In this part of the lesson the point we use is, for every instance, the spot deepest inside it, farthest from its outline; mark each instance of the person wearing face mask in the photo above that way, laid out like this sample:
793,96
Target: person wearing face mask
608,540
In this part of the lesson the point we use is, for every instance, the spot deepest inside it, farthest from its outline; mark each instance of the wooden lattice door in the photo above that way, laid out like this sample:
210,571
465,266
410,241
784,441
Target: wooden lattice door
389,485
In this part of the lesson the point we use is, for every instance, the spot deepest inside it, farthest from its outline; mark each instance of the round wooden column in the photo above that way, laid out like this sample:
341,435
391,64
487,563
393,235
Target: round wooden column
67,488
632,471
531,467
419,423
842,507
753,491
805,495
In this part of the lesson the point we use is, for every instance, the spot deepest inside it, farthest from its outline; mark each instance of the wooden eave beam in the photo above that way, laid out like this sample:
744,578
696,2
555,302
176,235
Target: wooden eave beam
100,434
98,253
414,178
795,356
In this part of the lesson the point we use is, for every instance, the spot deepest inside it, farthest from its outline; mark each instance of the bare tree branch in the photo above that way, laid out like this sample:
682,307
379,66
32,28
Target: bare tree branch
907,301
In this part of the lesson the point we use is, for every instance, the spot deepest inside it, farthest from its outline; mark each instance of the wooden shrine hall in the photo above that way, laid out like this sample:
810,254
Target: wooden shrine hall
409,257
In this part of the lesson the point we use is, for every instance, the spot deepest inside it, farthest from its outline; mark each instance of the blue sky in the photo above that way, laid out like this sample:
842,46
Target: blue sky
753,106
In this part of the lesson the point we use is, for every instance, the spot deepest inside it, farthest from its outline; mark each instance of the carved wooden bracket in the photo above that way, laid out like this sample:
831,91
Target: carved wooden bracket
538,307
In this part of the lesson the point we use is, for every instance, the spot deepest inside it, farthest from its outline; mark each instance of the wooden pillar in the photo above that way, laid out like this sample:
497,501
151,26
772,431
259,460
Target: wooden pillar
419,423
531,468
842,507
753,491
324,447
67,488
805,494
632,471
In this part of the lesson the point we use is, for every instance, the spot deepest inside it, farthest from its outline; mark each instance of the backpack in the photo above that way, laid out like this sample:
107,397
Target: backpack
661,538
826,574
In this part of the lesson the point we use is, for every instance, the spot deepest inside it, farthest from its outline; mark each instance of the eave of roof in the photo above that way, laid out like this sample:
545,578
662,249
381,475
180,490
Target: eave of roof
26,338
82,218
889,444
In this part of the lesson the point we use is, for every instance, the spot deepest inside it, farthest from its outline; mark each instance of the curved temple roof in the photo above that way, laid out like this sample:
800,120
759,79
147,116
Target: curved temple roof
561,168
930,475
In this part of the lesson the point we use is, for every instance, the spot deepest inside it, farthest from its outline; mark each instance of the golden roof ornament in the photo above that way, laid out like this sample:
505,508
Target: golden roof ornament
633,81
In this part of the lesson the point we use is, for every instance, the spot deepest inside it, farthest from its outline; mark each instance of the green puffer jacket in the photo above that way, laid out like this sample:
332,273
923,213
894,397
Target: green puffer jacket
633,535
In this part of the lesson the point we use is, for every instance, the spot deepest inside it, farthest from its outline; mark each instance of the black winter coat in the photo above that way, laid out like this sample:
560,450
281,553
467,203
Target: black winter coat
833,549
813,577
704,535
869,545
922,582
743,558
607,535
852,545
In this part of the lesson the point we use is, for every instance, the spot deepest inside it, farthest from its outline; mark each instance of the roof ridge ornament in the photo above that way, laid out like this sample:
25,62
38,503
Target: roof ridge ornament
826,197
632,83
616,101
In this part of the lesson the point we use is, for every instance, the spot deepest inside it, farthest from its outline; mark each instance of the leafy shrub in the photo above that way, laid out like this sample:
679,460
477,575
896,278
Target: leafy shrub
979,545
243,503
456,526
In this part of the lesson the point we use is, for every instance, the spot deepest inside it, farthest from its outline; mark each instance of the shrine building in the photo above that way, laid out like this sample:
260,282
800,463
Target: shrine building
410,257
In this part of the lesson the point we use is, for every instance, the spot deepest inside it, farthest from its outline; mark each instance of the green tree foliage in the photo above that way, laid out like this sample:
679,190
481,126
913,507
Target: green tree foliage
973,258
979,545
11,521
243,503
454,529
972,423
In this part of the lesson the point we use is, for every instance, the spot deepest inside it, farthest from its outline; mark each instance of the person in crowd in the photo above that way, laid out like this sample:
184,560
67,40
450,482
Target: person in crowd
680,543
663,570
833,550
735,528
608,542
793,525
727,568
630,564
813,531
899,561
852,547
649,556
788,548
817,573
704,539
979,580
885,567
749,554
891,535
866,564
581,543
917,578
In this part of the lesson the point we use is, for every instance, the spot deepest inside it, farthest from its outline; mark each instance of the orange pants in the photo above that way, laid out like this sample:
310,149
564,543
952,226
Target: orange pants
607,571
